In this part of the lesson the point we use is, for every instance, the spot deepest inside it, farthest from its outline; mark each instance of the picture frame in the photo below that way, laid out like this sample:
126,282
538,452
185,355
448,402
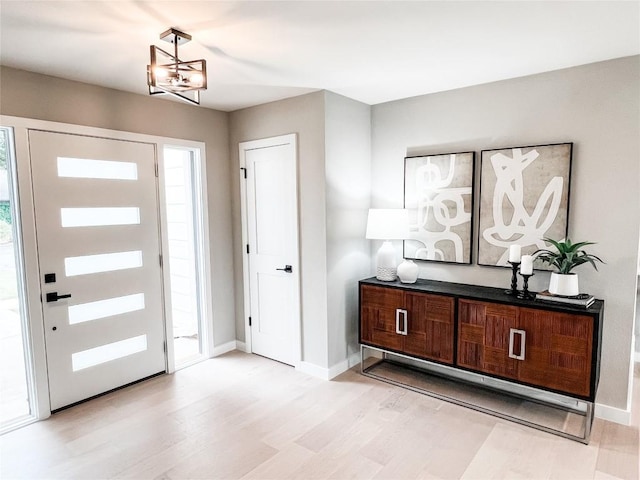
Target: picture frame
438,193
524,197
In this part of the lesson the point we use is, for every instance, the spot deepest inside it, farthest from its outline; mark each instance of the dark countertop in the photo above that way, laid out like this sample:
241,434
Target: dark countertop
476,292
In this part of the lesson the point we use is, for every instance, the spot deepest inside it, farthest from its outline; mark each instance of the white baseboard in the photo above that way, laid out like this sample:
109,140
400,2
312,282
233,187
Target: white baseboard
313,370
224,348
345,365
612,414
332,372
241,346
354,359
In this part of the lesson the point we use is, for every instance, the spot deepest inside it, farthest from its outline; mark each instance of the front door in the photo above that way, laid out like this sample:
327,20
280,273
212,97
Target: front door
272,236
96,213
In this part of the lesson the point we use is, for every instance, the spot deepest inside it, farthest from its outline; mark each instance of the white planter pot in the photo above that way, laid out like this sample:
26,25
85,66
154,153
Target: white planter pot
566,285
408,271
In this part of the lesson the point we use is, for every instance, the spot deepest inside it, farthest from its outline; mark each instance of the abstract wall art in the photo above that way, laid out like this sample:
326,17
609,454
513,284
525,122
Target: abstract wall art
524,196
438,192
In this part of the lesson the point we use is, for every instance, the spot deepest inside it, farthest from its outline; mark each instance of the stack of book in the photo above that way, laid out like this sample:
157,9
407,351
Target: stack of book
582,300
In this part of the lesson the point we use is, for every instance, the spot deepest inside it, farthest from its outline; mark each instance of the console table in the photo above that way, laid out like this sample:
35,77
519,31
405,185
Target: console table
545,352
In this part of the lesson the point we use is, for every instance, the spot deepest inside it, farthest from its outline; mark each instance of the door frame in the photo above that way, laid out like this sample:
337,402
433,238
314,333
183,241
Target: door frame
33,312
243,147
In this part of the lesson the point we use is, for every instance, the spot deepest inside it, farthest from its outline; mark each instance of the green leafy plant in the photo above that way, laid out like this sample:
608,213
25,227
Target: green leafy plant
568,255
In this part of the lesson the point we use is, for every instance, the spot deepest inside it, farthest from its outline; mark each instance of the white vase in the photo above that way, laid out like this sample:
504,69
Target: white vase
564,284
408,271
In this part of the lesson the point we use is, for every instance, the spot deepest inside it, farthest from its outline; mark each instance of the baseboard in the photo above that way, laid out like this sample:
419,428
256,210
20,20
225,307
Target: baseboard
329,373
354,359
313,370
224,348
345,365
612,414
241,346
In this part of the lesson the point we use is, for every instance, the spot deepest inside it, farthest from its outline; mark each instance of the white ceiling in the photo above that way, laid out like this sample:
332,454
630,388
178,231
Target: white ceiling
372,51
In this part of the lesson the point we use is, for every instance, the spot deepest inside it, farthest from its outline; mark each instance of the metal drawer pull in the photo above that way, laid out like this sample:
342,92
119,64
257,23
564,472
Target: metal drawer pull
399,312
523,338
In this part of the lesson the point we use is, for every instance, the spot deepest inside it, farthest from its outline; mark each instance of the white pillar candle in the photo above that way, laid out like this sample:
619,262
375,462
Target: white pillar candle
514,253
526,267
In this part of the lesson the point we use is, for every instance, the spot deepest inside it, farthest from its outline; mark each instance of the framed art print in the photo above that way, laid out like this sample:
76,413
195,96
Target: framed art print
524,197
438,192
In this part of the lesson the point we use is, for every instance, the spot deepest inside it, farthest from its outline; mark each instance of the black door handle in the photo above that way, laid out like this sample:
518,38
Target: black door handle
287,268
54,297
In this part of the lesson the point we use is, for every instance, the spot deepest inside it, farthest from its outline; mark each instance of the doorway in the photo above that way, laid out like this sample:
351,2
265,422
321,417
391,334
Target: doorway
96,214
270,234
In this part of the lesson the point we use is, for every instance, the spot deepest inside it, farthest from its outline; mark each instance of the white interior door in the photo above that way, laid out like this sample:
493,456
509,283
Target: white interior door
98,234
272,235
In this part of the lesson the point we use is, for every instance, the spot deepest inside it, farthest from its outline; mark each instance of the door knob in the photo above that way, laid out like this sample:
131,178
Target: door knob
54,297
287,268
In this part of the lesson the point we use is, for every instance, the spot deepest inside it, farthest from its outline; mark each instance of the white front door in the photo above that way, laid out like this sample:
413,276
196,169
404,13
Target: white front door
271,232
96,213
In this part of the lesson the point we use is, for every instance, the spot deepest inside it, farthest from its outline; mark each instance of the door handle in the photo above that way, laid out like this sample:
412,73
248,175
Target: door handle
54,297
400,311
287,268
523,338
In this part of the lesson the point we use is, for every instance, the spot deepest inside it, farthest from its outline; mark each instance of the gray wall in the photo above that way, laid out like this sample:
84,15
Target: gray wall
334,142
31,95
304,116
348,193
594,106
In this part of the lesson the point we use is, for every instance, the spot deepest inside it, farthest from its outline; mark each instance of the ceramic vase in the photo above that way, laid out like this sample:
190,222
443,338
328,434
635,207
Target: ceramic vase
408,271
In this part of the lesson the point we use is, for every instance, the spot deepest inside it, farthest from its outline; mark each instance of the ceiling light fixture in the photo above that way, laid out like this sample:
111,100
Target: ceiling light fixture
167,74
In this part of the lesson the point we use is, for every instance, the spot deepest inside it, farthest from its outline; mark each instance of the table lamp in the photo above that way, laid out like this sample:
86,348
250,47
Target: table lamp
387,224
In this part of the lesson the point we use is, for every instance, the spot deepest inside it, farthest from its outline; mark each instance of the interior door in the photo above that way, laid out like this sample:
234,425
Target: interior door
272,226
98,251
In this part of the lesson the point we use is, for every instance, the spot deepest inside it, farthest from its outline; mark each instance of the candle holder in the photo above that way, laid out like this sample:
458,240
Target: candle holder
514,279
526,294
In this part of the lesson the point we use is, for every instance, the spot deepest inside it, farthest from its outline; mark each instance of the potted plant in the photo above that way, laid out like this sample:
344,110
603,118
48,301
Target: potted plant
566,257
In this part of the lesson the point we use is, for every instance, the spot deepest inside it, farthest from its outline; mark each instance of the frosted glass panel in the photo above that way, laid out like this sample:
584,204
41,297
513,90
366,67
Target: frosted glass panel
86,312
106,262
95,217
108,352
85,168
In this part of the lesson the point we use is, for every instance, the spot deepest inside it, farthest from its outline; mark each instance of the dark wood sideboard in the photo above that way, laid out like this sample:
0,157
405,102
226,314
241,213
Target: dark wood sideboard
486,333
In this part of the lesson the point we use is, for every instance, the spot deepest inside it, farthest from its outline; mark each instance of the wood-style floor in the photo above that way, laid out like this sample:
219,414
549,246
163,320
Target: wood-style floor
243,416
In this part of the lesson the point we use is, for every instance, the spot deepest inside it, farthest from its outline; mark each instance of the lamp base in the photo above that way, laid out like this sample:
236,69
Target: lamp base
386,274
386,268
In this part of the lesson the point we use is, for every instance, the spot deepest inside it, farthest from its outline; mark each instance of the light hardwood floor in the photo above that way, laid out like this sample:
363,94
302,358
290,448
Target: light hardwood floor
243,416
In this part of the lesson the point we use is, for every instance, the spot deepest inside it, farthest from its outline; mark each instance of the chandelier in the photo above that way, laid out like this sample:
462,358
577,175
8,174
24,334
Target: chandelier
167,74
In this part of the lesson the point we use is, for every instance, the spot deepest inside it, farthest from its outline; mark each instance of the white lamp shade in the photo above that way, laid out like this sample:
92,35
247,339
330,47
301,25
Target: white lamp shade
388,224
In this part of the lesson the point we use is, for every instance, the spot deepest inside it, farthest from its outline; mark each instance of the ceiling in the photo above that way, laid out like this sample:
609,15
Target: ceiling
371,51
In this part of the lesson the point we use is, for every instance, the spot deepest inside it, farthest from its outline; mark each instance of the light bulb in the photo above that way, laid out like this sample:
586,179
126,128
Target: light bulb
160,72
